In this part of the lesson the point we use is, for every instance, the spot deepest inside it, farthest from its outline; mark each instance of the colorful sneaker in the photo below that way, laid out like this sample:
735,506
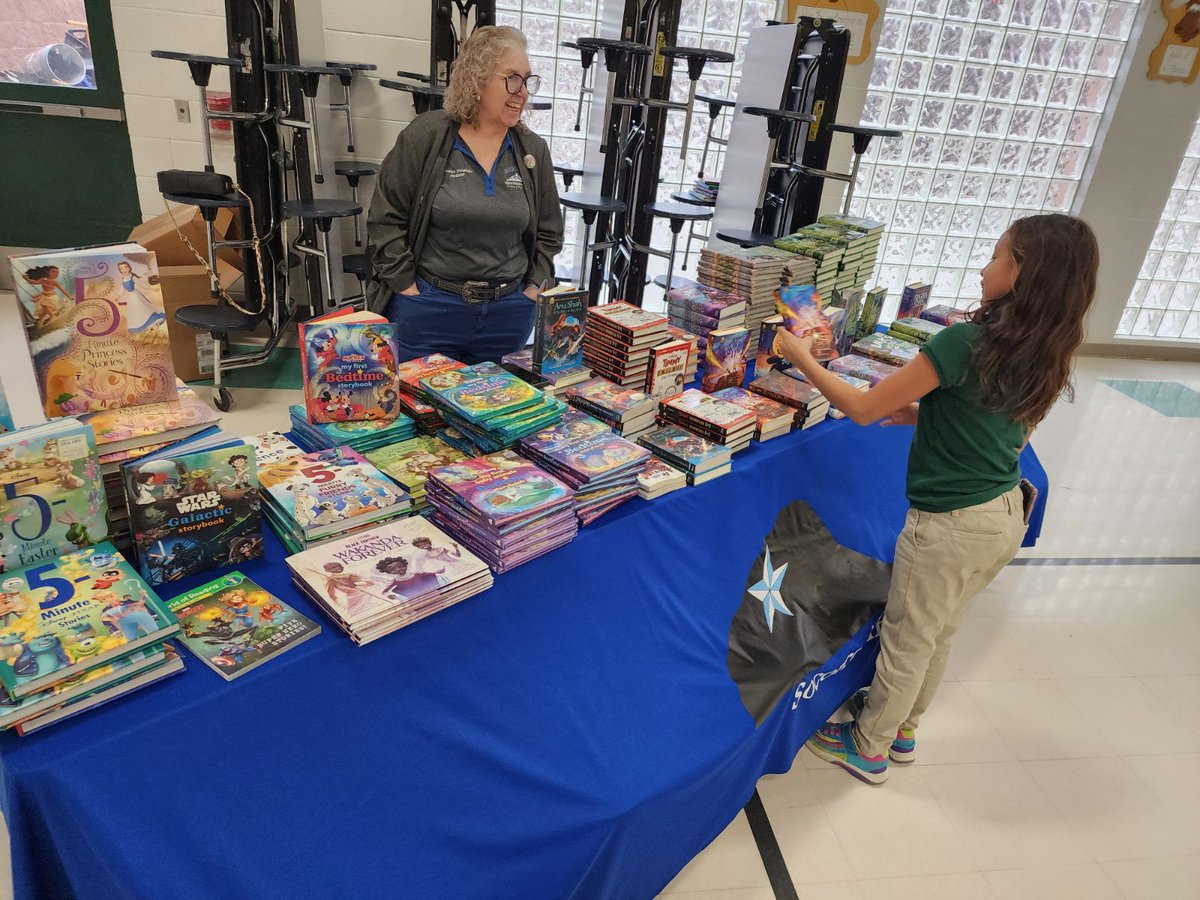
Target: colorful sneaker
834,742
904,747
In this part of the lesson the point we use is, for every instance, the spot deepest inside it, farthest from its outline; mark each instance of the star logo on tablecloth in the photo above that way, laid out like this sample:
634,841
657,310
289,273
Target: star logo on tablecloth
767,591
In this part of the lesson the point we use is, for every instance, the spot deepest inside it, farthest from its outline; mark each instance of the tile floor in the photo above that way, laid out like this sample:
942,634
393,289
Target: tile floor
1062,758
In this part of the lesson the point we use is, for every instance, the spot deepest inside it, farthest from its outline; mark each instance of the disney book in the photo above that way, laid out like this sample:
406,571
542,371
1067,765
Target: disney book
232,625
81,610
192,512
96,327
348,361
53,498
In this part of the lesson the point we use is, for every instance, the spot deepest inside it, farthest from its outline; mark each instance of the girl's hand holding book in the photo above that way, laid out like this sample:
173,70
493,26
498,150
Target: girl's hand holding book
791,347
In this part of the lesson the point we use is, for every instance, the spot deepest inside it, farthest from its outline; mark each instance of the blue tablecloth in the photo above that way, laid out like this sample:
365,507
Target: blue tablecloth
572,732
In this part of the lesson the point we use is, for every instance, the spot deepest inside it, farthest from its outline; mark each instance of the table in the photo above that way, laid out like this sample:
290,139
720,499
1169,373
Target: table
572,732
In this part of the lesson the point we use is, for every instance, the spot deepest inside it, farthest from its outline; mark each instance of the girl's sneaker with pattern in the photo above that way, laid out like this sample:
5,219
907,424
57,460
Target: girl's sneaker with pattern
834,742
904,747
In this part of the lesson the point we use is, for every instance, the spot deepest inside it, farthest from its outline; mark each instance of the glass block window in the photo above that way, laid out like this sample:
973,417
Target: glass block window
1000,103
1166,296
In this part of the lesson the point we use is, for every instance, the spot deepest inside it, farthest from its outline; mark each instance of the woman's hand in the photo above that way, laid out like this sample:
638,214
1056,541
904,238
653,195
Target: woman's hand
531,292
791,347
905,415
411,291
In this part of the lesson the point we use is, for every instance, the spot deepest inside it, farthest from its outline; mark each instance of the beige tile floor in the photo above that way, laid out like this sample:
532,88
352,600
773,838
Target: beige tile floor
1062,758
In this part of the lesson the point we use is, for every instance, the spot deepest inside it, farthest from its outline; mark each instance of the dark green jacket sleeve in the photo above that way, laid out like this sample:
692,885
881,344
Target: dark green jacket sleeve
549,237
392,205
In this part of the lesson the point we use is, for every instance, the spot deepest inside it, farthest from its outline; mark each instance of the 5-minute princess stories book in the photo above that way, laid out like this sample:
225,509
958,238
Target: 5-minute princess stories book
96,327
348,360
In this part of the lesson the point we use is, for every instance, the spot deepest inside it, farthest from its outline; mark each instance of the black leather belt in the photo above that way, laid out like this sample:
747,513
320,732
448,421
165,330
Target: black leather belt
474,291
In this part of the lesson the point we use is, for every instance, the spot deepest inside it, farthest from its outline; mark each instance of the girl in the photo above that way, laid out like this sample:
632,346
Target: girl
984,385
140,313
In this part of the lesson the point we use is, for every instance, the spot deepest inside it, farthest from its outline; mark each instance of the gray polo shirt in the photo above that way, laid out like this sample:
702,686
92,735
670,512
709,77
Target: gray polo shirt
478,219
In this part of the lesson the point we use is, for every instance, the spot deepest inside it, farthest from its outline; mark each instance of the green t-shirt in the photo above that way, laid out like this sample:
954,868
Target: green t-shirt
962,454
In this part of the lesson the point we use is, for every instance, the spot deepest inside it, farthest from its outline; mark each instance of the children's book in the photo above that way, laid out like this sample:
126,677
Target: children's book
6,421
72,613
685,450
913,300
96,327
885,348
707,411
800,306
194,511
626,319
482,394
270,447
502,487
944,315
408,462
232,625
558,329
348,360
53,498
668,371
872,370
412,371
155,423
725,359
610,401
872,309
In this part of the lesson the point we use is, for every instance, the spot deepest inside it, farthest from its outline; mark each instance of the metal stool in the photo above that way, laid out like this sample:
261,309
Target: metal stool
425,96
685,197
353,170
696,58
590,206
675,214
310,81
716,105
321,213
587,56
346,74
776,119
569,173
201,69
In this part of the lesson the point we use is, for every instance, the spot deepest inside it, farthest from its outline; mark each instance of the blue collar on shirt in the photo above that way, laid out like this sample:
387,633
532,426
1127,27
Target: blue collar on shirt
489,178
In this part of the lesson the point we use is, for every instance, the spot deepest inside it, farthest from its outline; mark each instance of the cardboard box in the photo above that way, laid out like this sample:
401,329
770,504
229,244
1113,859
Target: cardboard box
191,350
159,234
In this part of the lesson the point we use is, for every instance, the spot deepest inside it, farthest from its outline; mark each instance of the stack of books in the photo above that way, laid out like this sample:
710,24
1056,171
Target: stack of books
700,460
914,299
619,339
773,418
408,464
872,370
319,496
704,190
503,507
375,582
944,315
658,478
553,383
360,436
626,411
78,629
810,404
272,446
490,406
827,257
413,399
887,349
600,466
710,417
754,273
702,310
859,384
915,331
862,252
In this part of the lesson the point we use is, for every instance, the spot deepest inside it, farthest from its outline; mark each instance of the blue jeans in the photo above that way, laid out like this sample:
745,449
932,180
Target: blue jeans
437,321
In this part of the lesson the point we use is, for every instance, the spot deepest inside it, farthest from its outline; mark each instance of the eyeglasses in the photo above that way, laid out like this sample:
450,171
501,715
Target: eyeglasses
532,83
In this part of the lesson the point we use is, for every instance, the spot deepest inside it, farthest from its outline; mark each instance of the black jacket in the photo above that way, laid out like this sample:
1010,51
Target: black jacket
408,181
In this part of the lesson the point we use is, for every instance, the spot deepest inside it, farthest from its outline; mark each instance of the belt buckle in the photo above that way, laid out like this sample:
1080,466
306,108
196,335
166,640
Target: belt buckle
476,291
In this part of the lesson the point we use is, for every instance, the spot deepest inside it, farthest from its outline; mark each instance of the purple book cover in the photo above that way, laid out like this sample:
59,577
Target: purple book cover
502,486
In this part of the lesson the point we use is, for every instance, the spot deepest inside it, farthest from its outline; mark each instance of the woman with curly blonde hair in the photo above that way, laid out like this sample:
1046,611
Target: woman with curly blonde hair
465,222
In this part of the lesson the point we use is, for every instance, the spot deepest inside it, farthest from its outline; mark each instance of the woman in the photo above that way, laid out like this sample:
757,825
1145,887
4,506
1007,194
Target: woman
465,222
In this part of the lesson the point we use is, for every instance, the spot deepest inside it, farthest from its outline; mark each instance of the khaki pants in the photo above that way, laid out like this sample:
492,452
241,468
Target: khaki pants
942,561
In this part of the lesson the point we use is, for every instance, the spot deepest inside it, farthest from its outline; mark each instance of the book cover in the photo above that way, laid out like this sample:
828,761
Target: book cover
709,410
887,349
502,486
270,447
96,327
800,307
481,394
329,490
768,412
872,370
872,309
766,357
617,402
120,429
194,512
674,444
558,331
412,371
67,615
700,299
944,315
409,462
668,369
657,476
348,361
232,625
53,497
725,359
913,299
787,390
585,448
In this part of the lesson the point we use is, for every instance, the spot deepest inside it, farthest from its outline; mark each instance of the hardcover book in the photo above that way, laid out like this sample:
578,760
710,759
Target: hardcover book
913,300
155,423
348,360
192,512
502,487
725,359
685,450
482,395
800,307
232,625
558,330
72,613
668,369
53,498
96,327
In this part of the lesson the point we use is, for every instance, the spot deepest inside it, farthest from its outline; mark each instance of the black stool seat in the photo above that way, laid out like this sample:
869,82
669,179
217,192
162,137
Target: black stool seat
677,212
676,281
231,200
719,102
200,65
863,134
697,57
217,318
540,105
299,69
813,172
353,168
568,169
357,264
783,115
744,238
586,54
321,208
685,197
426,90
592,203
352,66
596,43
415,76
